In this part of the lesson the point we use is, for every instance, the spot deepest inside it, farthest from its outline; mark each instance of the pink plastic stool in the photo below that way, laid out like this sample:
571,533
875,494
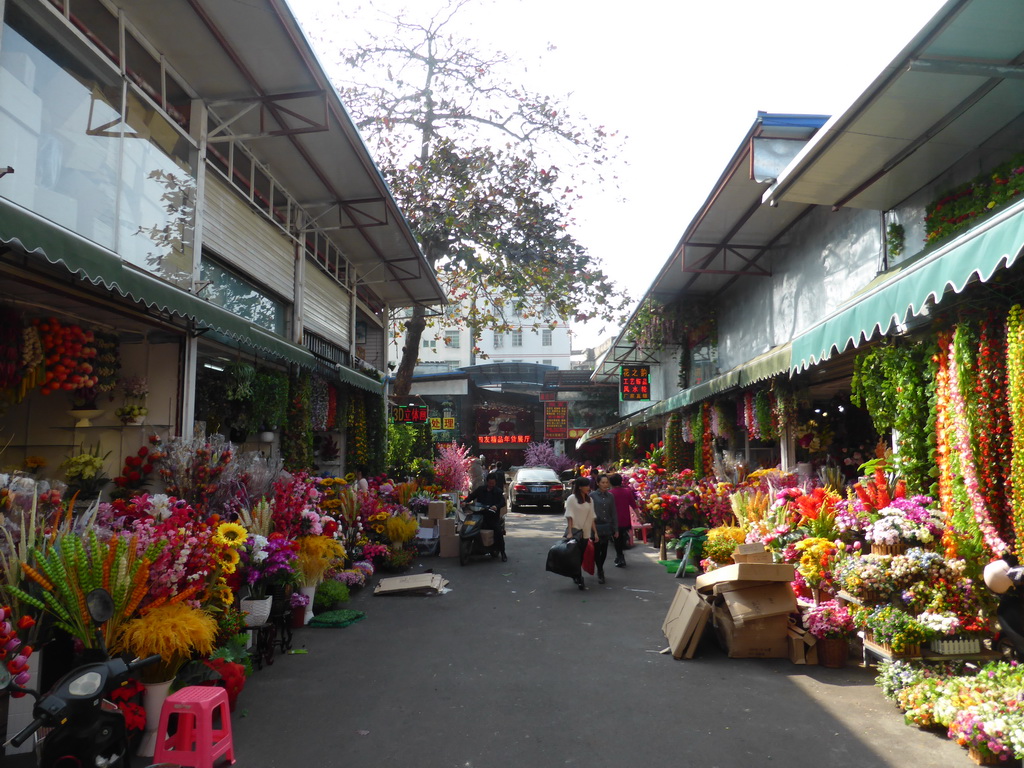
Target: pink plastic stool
196,742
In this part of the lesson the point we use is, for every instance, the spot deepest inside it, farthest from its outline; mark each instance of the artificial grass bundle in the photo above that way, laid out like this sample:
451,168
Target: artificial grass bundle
316,555
175,631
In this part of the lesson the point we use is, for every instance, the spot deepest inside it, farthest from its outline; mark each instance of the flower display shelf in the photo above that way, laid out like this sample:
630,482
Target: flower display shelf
983,759
888,549
885,651
955,646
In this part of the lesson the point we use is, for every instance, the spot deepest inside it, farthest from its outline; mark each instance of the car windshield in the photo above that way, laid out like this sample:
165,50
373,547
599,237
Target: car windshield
537,475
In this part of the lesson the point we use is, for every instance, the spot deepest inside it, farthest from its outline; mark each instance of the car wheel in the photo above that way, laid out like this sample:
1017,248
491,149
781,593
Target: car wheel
465,548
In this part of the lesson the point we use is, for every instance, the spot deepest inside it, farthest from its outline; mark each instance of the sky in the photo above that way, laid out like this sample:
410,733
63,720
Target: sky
681,82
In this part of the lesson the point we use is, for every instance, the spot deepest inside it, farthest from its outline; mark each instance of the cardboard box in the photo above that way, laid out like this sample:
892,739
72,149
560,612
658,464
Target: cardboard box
747,605
447,526
427,522
449,546
732,586
436,510
803,647
487,537
684,624
756,639
751,553
746,572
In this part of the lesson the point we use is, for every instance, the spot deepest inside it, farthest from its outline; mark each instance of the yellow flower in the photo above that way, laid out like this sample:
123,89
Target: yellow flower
350,477
230,535
991,204
228,557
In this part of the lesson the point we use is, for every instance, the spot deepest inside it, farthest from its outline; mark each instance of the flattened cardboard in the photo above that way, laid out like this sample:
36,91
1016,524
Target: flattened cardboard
420,584
746,572
687,616
698,631
745,605
802,648
436,510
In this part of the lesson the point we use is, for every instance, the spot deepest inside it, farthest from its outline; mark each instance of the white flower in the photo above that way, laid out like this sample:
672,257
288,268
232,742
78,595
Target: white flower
161,508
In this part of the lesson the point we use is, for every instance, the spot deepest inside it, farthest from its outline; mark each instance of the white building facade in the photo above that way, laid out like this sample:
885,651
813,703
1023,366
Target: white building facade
448,344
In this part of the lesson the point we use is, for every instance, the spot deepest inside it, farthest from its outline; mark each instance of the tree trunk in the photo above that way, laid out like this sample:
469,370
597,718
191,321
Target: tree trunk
414,327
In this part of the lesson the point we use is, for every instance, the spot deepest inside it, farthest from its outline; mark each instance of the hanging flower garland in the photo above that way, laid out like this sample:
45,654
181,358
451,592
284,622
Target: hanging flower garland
707,441
962,443
674,443
764,409
696,419
332,407
318,403
750,416
992,423
1015,385
357,448
942,432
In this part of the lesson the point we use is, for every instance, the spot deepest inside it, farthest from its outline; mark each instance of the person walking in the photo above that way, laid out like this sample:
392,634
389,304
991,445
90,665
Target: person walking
625,501
606,521
579,515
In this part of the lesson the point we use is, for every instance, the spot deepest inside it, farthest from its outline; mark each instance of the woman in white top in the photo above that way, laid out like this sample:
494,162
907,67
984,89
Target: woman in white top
579,515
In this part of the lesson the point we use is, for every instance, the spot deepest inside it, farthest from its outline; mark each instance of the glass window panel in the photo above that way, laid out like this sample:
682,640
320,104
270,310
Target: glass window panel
157,211
59,128
238,295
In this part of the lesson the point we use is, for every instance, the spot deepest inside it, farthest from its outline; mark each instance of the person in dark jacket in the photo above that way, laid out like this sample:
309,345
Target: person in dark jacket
606,518
490,495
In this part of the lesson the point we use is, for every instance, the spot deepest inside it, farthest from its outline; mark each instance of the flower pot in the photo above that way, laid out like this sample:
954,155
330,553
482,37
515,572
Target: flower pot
297,617
85,416
266,437
888,549
308,610
153,697
257,610
833,652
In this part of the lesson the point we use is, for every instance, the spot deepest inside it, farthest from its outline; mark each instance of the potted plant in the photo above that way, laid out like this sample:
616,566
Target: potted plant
84,472
831,624
268,404
135,390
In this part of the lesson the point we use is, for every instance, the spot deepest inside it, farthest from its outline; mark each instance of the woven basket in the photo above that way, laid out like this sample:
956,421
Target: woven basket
888,549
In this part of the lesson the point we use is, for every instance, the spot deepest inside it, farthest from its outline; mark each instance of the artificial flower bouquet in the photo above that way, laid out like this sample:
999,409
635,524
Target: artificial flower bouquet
865,577
84,471
720,544
895,628
829,620
316,554
176,631
130,412
268,561
905,520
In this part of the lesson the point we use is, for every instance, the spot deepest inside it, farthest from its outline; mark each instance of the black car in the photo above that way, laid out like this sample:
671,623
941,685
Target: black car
536,487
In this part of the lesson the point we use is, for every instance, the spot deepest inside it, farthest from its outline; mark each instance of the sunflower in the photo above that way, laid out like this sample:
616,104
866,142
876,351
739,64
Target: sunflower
228,558
231,535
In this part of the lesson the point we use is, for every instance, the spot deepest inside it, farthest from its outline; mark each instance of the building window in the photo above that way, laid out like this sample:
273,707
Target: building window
545,362
499,339
242,297
452,339
429,343
517,337
545,337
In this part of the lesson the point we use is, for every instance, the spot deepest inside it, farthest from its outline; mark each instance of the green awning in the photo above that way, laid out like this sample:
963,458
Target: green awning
102,267
905,290
764,366
359,380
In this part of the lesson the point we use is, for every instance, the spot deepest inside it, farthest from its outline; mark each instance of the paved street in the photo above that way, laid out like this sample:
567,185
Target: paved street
516,667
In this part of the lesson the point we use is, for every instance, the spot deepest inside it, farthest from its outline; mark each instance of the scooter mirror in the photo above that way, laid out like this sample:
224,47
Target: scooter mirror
100,604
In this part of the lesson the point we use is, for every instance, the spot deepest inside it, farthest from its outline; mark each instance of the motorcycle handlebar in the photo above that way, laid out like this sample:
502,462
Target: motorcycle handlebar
140,663
27,731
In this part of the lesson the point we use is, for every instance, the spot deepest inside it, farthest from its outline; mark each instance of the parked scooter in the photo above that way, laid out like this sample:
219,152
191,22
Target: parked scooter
1006,581
86,728
474,521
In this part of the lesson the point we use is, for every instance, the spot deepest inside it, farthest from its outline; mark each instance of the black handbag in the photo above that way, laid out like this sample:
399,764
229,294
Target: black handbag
566,558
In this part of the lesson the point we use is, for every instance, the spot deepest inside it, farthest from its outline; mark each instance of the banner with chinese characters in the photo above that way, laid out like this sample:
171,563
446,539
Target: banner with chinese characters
556,420
503,439
409,414
635,382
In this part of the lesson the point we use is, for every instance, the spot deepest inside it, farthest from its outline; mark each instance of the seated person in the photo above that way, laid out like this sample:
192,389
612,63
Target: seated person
490,495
